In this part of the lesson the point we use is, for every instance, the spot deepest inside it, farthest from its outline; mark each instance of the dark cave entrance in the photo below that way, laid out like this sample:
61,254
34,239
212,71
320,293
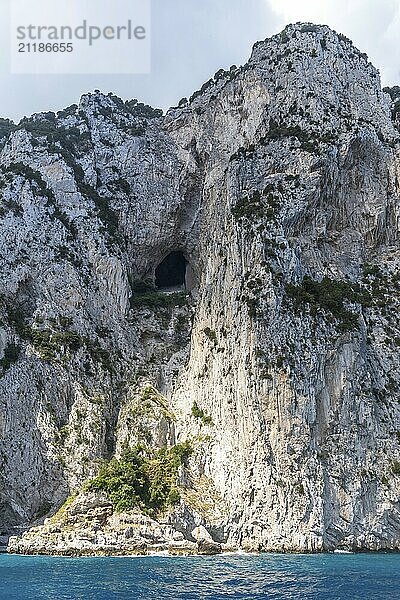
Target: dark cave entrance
171,272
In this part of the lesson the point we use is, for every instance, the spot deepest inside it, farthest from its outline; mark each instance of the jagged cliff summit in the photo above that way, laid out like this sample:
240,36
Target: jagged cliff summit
208,301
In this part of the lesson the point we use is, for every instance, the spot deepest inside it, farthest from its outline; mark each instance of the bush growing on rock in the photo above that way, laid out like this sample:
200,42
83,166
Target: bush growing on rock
198,413
143,478
328,294
11,355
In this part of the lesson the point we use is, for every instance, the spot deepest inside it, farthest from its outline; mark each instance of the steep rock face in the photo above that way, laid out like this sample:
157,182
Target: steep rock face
279,183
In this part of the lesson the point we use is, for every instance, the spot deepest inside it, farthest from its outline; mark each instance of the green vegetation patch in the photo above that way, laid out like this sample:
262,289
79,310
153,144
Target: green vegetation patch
120,113
60,514
37,182
156,299
144,111
309,141
143,478
198,413
106,214
11,355
68,143
6,127
381,290
396,467
152,404
329,295
70,111
210,333
22,170
259,204
50,343
71,139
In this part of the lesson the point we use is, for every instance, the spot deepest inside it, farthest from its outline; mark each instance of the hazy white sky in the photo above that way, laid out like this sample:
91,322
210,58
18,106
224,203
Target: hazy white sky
191,39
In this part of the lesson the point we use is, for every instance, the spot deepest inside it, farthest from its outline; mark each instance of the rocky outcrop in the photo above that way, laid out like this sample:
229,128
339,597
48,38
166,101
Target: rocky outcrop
279,183
88,525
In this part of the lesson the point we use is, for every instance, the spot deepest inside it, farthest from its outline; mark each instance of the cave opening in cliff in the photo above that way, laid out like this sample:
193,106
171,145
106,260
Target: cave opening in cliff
171,272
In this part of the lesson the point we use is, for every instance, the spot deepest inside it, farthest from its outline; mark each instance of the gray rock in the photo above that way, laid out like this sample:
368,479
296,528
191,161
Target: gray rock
208,547
184,548
279,182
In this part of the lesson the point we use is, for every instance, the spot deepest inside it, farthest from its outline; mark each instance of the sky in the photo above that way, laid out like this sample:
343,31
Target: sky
192,39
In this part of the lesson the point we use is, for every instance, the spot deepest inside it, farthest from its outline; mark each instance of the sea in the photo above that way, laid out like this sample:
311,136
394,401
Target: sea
250,577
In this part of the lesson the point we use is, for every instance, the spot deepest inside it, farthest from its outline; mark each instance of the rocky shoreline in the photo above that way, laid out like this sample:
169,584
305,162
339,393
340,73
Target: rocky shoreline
88,526
184,549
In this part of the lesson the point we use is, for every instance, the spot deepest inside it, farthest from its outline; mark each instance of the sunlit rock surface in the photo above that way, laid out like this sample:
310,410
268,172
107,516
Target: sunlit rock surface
278,182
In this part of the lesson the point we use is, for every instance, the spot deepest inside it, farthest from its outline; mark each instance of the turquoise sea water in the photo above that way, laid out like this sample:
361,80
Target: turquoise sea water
293,577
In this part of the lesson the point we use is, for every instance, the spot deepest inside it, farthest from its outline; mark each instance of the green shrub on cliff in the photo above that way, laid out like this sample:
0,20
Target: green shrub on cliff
198,413
11,355
155,299
6,127
330,295
143,478
396,467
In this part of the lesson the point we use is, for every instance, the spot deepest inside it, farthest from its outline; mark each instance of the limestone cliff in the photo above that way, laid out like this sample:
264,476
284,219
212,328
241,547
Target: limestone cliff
278,184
